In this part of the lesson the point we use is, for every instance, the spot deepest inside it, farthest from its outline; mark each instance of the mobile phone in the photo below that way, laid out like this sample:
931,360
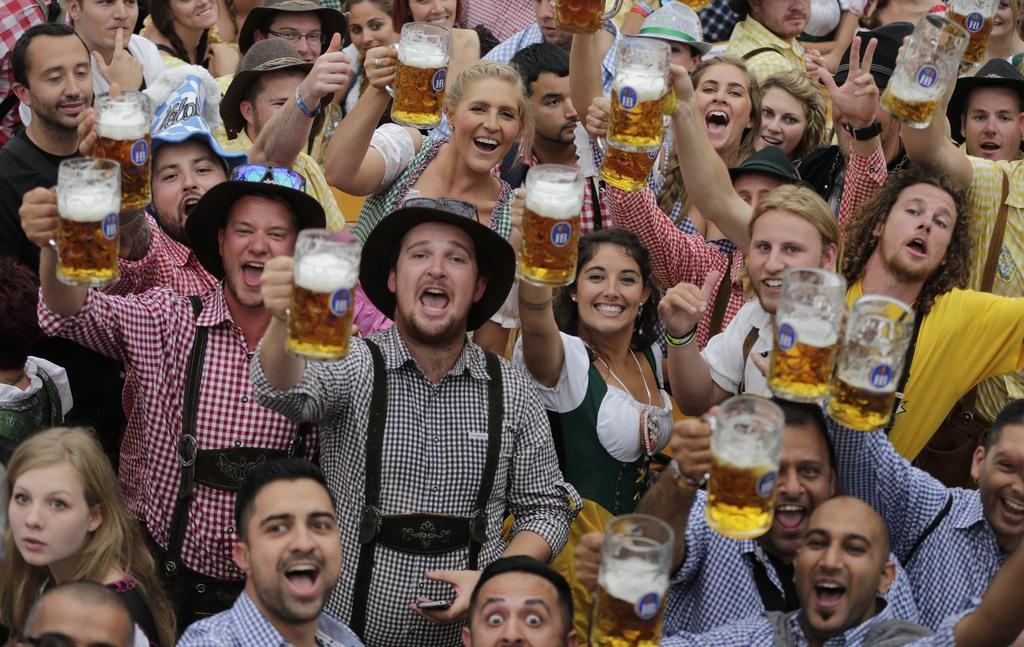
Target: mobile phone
434,605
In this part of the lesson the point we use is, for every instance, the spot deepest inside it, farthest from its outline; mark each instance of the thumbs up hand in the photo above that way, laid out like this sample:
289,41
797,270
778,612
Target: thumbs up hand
331,73
684,304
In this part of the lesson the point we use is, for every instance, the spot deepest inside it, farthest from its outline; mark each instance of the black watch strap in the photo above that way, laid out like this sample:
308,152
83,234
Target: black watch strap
863,134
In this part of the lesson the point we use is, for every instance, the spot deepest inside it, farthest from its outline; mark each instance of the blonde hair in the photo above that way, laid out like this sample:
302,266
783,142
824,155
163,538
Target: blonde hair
807,205
805,90
502,72
116,543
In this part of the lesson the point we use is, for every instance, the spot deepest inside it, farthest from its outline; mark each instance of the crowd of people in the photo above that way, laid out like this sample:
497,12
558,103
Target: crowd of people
173,473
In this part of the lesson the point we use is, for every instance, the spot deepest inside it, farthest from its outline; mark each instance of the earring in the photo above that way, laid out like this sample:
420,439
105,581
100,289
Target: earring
640,311
573,297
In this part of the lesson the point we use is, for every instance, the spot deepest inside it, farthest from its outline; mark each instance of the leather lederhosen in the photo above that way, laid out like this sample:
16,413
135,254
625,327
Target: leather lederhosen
422,534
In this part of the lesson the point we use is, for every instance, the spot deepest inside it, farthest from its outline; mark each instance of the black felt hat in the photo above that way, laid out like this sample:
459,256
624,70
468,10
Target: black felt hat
996,73
770,161
890,39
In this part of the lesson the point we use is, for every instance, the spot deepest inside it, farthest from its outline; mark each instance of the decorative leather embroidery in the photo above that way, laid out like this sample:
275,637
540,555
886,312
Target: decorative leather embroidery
426,535
238,471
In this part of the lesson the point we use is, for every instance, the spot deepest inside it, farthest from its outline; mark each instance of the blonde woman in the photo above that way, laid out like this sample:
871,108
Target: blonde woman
794,114
66,523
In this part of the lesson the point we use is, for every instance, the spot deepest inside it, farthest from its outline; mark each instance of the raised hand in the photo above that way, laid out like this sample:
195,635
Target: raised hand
690,445
39,216
857,99
684,304
276,285
381,65
123,69
588,559
683,86
597,117
331,73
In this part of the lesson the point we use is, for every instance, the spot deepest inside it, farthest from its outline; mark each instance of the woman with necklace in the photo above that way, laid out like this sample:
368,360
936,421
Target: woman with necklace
589,352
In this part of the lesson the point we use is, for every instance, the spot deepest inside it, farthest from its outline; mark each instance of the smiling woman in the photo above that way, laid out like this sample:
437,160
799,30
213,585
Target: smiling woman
794,111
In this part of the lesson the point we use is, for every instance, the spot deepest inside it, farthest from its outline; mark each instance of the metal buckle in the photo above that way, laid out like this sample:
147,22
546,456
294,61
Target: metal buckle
188,448
478,527
369,524
170,567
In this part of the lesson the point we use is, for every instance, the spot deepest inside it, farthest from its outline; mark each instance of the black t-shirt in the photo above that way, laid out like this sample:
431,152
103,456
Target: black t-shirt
785,573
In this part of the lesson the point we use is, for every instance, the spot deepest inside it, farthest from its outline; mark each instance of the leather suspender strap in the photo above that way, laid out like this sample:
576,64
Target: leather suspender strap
928,531
595,200
721,301
748,345
495,418
761,50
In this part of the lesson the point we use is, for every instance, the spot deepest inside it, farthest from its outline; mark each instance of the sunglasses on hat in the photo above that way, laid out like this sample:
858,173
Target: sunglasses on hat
263,174
451,205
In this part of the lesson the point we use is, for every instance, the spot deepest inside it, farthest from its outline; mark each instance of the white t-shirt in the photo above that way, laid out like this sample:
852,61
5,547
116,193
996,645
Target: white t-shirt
142,49
724,352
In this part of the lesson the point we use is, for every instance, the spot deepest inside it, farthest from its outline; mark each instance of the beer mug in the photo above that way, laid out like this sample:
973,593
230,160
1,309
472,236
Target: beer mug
808,320
630,603
423,54
870,362
583,16
122,127
88,201
551,225
976,16
640,90
746,444
323,297
627,170
924,70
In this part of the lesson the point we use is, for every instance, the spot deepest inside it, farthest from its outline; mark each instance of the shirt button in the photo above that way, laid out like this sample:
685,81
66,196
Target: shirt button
434,488
231,529
238,443
245,398
437,439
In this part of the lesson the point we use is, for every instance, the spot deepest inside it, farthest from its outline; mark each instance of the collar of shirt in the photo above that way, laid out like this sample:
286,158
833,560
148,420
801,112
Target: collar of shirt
396,354
254,629
215,308
853,636
966,516
759,33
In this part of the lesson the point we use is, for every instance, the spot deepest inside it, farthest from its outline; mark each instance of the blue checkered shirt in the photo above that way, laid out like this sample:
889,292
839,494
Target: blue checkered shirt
717,20
769,630
243,625
715,584
958,560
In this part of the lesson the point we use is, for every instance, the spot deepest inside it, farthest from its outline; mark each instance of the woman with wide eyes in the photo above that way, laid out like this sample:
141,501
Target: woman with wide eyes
369,26
66,523
591,354
794,114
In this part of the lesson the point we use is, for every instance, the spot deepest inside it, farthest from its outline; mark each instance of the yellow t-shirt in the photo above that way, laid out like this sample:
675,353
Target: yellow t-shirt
966,337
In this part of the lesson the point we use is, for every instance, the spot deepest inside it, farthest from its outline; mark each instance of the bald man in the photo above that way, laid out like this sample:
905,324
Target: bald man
81,613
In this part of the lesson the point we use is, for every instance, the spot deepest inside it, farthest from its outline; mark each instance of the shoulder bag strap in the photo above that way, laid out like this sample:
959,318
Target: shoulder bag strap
34,159
721,301
369,524
495,420
927,531
748,345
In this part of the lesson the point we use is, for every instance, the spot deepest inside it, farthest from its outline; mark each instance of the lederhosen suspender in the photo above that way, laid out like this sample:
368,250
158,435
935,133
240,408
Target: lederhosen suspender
748,345
721,301
221,469
423,534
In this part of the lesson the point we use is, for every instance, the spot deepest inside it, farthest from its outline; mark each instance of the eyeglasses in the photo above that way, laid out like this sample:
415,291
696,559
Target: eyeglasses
54,639
262,174
313,37
451,205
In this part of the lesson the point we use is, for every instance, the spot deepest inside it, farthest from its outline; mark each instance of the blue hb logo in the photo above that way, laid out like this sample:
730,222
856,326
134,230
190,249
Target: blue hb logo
766,484
140,152
438,81
927,76
652,154
110,226
340,301
787,336
974,21
627,98
561,233
881,375
647,606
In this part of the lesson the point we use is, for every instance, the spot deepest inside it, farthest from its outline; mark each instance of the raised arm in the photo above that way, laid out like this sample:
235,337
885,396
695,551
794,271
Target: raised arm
39,220
543,353
282,369
586,80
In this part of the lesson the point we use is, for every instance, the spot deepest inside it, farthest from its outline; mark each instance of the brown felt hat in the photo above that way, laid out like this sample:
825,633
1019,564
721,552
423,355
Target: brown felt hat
332,21
271,55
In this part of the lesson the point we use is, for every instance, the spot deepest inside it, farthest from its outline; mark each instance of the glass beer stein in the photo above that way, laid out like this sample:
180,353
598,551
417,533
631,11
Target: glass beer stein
640,90
630,602
551,225
977,17
808,319
627,170
924,70
870,362
122,127
583,16
746,445
323,297
423,54
88,201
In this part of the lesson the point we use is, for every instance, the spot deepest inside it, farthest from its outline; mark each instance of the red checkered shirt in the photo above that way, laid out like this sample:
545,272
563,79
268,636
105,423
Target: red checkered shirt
152,334
863,177
168,264
502,17
676,257
587,213
16,16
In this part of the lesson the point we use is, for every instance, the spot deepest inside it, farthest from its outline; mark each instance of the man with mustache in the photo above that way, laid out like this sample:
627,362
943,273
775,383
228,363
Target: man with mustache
289,550
767,38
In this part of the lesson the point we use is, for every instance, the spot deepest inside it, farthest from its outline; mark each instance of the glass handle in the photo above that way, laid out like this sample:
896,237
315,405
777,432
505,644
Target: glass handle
611,13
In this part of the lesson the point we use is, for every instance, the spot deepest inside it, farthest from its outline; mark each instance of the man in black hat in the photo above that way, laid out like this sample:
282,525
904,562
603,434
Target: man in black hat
987,111
429,441
195,428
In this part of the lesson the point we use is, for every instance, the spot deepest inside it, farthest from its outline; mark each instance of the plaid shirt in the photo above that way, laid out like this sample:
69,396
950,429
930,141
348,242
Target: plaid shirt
243,624
168,264
718,21
715,585
587,213
865,175
153,334
16,16
750,35
675,256
503,18
959,558
433,455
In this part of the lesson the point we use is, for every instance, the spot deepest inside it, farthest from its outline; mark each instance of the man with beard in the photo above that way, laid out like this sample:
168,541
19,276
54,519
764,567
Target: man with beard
288,549
194,426
428,441
717,580
767,38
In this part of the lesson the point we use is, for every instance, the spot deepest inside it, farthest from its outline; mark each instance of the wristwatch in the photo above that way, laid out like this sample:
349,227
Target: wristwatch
867,132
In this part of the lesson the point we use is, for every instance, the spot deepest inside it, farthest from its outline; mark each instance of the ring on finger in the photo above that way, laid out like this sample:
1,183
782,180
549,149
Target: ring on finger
379,62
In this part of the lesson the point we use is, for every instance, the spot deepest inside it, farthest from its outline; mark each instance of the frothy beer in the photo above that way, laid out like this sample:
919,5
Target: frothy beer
123,129
579,16
323,301
551,233
741,497
630,604
419,85
627,170
802,359
909,106
638,103
979,28
859,404
87,236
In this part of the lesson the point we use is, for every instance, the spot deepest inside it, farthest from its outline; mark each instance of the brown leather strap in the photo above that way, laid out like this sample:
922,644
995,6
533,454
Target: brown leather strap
761,50
748,345
995,244
721,301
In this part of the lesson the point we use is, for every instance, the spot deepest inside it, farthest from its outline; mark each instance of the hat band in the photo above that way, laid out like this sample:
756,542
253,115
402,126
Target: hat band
664,31
276,63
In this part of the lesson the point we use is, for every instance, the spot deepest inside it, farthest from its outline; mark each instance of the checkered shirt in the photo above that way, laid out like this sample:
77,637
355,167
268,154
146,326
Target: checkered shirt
503,18
716,586
16,16
433,456
718,21
959,558
749,35
152,334
167,264
587,213
676,257
243,624
865,175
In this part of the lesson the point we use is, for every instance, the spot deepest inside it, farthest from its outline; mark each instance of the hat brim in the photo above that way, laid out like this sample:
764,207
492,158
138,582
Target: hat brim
332,22
231,103
700,46
881,74
764,168
210,214
495,259
231,158
964,86
739,6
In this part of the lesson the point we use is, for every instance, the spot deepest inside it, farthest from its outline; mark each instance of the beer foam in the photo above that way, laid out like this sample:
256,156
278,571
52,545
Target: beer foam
632,578
744,450
860,380
122,121
557,200
813,331
325,273
423,55
87,204
648,87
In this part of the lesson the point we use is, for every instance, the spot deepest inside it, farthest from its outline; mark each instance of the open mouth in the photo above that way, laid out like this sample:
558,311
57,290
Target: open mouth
771,141
790,516
434,300
918,247
303,579
1014,510
828,594
715,121
188,203
251,274
989,146
485,145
